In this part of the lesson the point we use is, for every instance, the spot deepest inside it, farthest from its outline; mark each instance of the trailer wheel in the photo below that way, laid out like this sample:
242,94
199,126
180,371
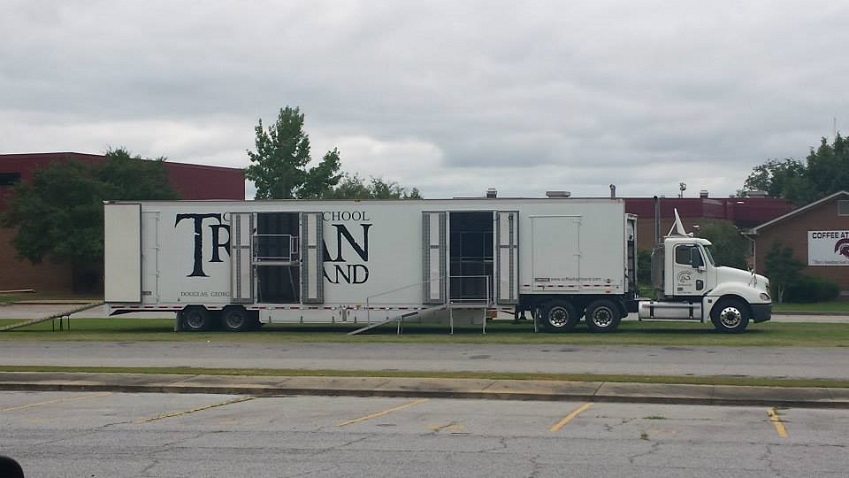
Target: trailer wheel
196,319
730,316
603,316
236,319
559,316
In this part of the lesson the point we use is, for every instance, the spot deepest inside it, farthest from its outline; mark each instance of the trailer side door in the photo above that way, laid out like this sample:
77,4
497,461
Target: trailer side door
506,257
556,255
241,257
122,253
435,255
312,258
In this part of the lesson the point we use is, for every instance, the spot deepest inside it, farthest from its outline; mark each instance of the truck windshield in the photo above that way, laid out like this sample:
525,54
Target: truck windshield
709,255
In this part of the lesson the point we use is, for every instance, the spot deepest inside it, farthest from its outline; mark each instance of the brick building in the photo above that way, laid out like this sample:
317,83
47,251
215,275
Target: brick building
818,234
191,181
743,213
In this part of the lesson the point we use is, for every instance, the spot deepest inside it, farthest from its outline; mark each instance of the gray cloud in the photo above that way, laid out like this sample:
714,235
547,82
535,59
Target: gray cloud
452,97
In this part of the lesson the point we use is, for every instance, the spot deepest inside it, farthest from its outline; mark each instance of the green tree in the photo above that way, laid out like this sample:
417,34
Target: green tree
783,270
785,179
729,247
60,213
828,168
355,187
825,171
279,165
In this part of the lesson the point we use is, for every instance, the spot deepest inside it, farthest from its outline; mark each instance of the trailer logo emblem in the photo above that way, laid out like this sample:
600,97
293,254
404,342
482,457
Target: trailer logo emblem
217,242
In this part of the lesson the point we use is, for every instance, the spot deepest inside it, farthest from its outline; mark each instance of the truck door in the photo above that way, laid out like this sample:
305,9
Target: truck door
435,252
241,257
688,270
506,257
312,258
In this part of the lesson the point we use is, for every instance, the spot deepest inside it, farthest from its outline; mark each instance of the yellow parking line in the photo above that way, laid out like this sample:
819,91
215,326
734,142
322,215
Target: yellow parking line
776,422
57,400
557,426
382,413
194,410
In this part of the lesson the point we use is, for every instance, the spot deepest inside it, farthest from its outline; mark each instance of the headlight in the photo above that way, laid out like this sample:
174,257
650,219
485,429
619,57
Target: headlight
765,296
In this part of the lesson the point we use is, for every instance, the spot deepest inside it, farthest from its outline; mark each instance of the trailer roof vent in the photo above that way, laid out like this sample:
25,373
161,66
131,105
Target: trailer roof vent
491,193
557,194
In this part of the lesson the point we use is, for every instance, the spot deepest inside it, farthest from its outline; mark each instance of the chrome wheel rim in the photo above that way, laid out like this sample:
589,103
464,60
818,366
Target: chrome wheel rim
730,317
558,317
194,320
235,320
602,317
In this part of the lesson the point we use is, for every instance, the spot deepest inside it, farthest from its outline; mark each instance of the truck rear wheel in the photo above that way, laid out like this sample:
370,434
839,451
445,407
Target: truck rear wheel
603,316
730,316
236,319
196,319
559,316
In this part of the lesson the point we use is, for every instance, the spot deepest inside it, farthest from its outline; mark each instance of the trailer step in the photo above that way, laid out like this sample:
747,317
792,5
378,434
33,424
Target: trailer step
378,324
52,317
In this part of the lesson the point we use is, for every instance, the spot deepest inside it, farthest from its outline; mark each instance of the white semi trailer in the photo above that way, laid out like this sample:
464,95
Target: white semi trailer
237,264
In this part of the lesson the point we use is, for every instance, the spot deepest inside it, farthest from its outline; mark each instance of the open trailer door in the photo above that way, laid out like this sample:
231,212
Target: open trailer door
122,253
312,258
435,256
241,257
506,257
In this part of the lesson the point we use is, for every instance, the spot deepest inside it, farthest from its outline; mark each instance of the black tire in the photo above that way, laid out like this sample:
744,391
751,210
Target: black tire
558,316
196,319
236,319
603,316
730,316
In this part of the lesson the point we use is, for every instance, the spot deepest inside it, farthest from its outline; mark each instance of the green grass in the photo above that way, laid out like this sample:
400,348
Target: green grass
10,298
562,377
833,307
677,334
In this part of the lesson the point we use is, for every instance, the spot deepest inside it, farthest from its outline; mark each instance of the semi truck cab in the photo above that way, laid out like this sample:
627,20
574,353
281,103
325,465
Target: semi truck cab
689,285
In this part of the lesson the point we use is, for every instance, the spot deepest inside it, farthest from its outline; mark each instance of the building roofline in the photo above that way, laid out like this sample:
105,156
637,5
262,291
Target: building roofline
754,231
91,155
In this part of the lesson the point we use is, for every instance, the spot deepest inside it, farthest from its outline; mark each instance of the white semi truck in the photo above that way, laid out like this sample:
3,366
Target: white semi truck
237,264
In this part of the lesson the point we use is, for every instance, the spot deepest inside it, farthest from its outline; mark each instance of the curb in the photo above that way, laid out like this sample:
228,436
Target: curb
526,390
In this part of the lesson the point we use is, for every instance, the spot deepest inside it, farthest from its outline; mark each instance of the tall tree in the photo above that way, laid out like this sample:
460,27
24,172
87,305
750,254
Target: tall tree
279,164
785,179
60,213
825,171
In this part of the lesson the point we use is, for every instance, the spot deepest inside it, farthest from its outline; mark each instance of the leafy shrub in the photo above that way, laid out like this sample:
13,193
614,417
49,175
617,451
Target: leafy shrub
808,289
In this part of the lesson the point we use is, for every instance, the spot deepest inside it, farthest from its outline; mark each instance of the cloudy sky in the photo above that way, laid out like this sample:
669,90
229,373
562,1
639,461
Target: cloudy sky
452,97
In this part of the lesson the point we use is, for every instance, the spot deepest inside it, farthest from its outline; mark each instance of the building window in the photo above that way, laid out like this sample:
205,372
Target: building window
10,179
843,208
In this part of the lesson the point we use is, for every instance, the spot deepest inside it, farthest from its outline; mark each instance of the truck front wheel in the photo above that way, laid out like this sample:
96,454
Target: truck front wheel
603,316
730,316
559,316
196,319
